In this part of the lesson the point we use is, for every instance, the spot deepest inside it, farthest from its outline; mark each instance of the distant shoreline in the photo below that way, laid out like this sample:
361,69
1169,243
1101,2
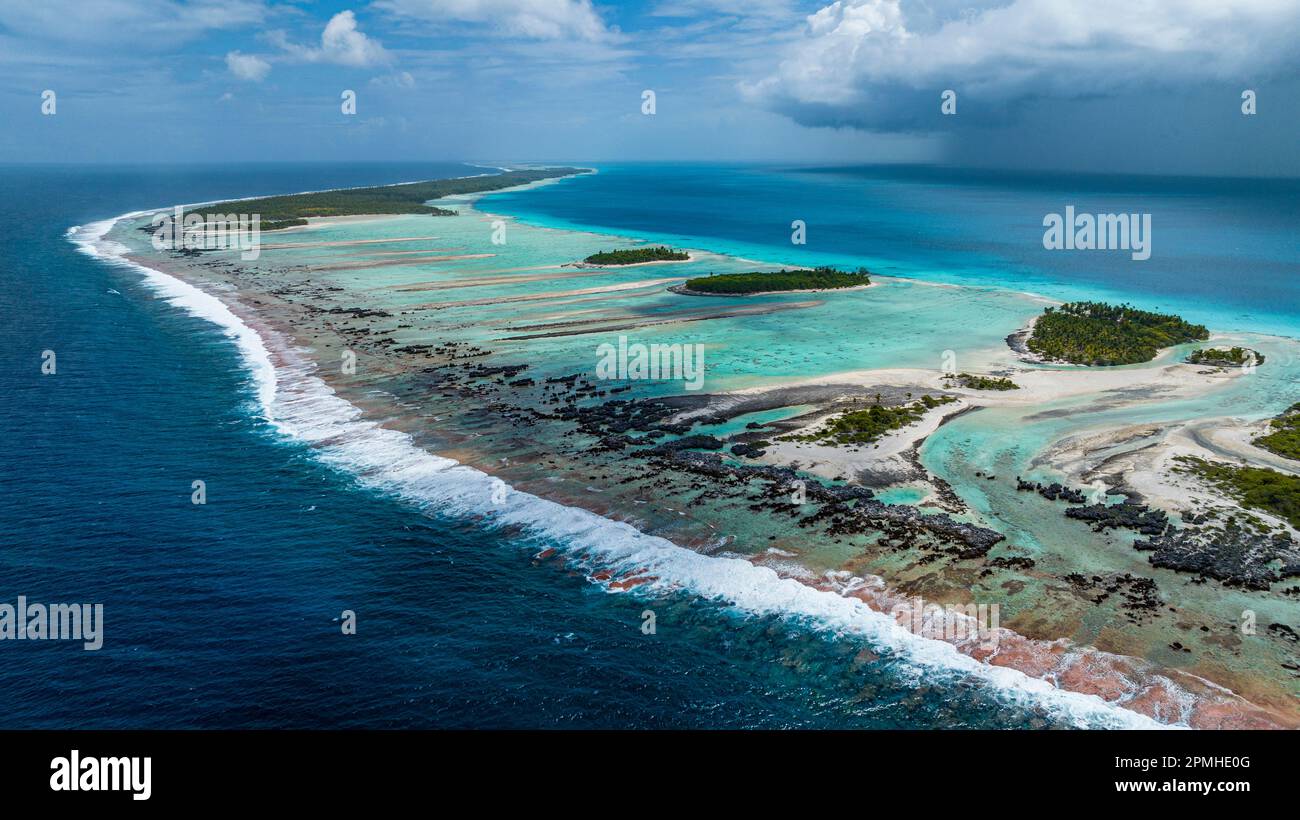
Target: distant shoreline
685,291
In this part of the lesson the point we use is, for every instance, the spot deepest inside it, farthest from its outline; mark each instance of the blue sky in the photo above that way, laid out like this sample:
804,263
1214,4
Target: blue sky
1107,85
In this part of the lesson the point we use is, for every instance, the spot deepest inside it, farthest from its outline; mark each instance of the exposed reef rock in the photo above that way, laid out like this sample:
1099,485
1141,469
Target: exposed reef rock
1232,554
1052,491
1135,517
847,509
1139,596
1229,552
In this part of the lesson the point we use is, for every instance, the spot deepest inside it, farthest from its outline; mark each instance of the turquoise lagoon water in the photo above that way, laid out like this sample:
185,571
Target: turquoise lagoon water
1224,251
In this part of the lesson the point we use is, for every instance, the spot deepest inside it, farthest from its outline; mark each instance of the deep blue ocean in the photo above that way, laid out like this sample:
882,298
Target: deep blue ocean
225,614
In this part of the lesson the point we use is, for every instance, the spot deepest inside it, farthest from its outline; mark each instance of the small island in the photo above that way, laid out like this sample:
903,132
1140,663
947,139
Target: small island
971,382
1284,440
1225,357
637,256
867,426
1096,333
781,281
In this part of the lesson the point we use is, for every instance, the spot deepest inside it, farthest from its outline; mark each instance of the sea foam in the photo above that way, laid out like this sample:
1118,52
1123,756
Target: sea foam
300,405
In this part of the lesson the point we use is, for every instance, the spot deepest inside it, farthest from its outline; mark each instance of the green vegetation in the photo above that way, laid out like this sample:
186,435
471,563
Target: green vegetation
635,256
1220,357
1285,438
1256,487
866,426
1095,333
984,382
823,278
410,198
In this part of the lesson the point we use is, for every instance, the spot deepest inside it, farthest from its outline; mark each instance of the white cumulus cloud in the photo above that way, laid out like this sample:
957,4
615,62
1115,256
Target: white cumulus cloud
879,64
247,66
532,19
341,43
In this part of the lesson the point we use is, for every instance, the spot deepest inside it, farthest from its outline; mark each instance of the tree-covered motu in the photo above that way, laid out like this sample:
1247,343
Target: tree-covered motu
637,256
823,278
1096,333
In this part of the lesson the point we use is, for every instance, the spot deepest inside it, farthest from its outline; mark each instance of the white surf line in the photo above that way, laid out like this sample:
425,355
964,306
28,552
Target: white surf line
301,406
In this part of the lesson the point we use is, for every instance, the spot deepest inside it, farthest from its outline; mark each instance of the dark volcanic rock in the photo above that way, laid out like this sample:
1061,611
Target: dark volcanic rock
1011,562
1231,554
1140,596
1284,632
615,442
848,509
1052,491
696,442
1129,516
621,415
